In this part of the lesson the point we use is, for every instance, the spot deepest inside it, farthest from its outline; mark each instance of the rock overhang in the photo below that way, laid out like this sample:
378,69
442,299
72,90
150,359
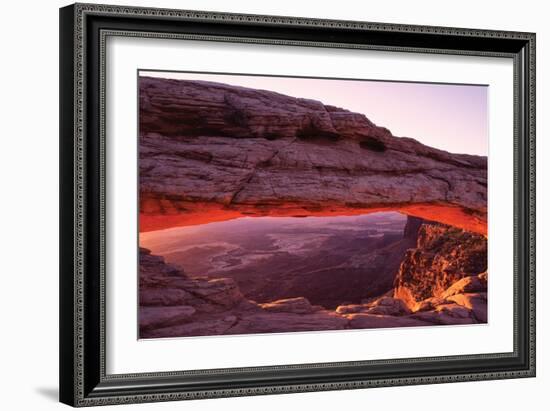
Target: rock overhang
212,152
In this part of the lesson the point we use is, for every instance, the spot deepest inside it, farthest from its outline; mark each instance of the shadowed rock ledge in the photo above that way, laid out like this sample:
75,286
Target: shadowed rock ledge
212,152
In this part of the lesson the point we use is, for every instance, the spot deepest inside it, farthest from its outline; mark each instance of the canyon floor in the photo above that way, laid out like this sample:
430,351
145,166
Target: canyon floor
328,260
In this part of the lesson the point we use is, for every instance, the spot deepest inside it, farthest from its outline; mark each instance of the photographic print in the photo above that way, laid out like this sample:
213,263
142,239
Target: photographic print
284,204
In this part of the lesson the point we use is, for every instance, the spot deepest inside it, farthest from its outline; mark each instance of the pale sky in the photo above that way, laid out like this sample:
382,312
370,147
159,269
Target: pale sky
444,116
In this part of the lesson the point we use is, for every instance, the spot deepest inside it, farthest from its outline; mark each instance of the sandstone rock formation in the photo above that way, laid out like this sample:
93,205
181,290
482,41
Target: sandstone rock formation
477,302
468,284
298,305
443,256
381,321
211,152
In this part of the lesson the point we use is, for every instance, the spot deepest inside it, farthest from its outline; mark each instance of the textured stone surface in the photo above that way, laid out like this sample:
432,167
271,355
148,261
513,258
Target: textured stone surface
298,305
467,285
382,306
477,302
388,306
383,321
352,308
162,296
447,314
156,317
211,152
428,304
443,256
204,326
270,322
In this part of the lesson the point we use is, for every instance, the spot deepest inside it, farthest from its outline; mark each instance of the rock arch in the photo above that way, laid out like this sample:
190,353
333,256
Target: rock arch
212,152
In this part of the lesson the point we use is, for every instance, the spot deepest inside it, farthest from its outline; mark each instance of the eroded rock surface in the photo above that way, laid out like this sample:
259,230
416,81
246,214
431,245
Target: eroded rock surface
384,321
212,152
298,305
477,302
157,317
443,256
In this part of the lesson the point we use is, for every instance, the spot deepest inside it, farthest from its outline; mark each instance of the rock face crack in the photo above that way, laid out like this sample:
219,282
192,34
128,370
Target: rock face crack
242,186
449,185
250,176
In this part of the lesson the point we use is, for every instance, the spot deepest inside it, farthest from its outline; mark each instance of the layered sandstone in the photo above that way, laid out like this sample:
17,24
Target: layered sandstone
211,152
444,257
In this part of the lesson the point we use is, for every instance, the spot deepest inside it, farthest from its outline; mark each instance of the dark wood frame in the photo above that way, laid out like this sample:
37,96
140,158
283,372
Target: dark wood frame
83,30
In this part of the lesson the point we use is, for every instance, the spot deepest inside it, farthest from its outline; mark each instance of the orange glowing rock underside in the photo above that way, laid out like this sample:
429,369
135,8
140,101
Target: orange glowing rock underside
203,213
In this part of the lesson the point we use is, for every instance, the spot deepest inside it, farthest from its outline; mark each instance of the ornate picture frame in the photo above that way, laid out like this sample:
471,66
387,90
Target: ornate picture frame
84,32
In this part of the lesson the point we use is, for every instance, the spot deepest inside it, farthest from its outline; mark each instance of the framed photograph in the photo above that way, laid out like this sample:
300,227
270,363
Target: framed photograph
259,205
